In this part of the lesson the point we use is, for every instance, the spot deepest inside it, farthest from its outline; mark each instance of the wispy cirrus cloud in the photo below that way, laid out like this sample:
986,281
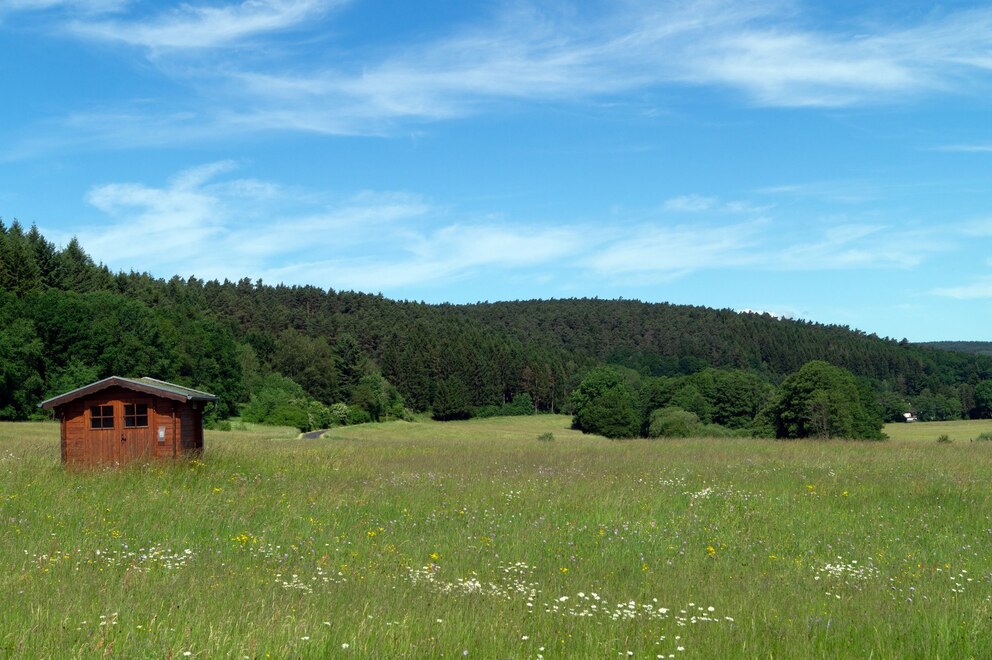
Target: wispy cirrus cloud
203,26
976,290
367,240
397,241
80,6
978,148
764,52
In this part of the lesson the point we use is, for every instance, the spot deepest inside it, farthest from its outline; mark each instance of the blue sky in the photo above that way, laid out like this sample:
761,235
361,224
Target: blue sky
826,161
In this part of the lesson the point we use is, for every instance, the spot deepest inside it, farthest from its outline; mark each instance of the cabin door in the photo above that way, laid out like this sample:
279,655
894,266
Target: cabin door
136,433
103,432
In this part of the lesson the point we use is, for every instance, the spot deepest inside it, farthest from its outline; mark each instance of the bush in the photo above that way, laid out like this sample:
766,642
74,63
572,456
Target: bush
604,404
546,437
522,404
943,438
338,414
487,411
984,437
672,422
213,424
358,415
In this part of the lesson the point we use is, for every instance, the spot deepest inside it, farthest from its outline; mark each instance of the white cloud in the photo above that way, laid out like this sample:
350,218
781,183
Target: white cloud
689,203
209,222
82,6
863,246
762,50
191,26
673,251
979,148
975,290
453,252
202,223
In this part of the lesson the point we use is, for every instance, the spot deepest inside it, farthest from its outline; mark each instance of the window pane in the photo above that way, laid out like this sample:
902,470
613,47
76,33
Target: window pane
101,417
135,415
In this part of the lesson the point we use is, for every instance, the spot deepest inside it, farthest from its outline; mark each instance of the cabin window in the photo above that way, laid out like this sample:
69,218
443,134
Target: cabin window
135,415
101,417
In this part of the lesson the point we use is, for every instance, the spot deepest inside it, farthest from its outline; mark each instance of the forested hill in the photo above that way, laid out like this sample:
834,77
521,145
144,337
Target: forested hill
975,347
65,321
662,339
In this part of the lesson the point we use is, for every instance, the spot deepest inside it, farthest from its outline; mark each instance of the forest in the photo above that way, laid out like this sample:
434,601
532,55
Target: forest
310,357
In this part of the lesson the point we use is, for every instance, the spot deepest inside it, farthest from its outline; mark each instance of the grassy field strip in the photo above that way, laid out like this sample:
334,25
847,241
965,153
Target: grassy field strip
427,540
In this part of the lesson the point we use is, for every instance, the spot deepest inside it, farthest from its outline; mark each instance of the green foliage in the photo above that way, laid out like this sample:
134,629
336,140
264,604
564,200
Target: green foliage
338,414
673,422
451,401
546,437
21,364
604,404
893,406
824,401
983,399
522,404
944,439
931,406
377,396
984,437
72,375
278,401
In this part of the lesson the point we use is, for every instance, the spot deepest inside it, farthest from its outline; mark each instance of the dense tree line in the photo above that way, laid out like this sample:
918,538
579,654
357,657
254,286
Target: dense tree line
332,356
820,400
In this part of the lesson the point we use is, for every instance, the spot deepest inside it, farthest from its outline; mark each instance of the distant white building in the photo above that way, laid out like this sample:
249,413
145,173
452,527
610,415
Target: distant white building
908,417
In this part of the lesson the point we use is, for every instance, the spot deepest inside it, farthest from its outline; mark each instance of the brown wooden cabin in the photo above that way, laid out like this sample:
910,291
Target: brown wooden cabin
117,420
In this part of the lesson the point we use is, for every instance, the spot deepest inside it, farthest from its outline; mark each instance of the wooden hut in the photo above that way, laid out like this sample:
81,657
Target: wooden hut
117,420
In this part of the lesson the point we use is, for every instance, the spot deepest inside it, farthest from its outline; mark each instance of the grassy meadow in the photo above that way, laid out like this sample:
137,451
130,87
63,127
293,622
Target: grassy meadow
475,538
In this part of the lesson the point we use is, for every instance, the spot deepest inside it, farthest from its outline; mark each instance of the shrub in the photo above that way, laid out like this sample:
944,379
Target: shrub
546,437
672,422
214,424
943,438
358,415
604,404
984,437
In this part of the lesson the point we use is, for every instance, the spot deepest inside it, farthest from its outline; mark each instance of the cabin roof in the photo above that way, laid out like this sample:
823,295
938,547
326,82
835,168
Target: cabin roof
146,385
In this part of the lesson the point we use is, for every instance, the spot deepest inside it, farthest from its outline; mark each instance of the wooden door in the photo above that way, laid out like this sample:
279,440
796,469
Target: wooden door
102,432
137,434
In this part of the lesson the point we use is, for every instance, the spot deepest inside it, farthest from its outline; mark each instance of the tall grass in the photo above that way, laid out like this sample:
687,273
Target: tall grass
423,539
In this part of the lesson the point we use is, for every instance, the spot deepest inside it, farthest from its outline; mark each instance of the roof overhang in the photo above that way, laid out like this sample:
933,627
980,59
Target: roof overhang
158,388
